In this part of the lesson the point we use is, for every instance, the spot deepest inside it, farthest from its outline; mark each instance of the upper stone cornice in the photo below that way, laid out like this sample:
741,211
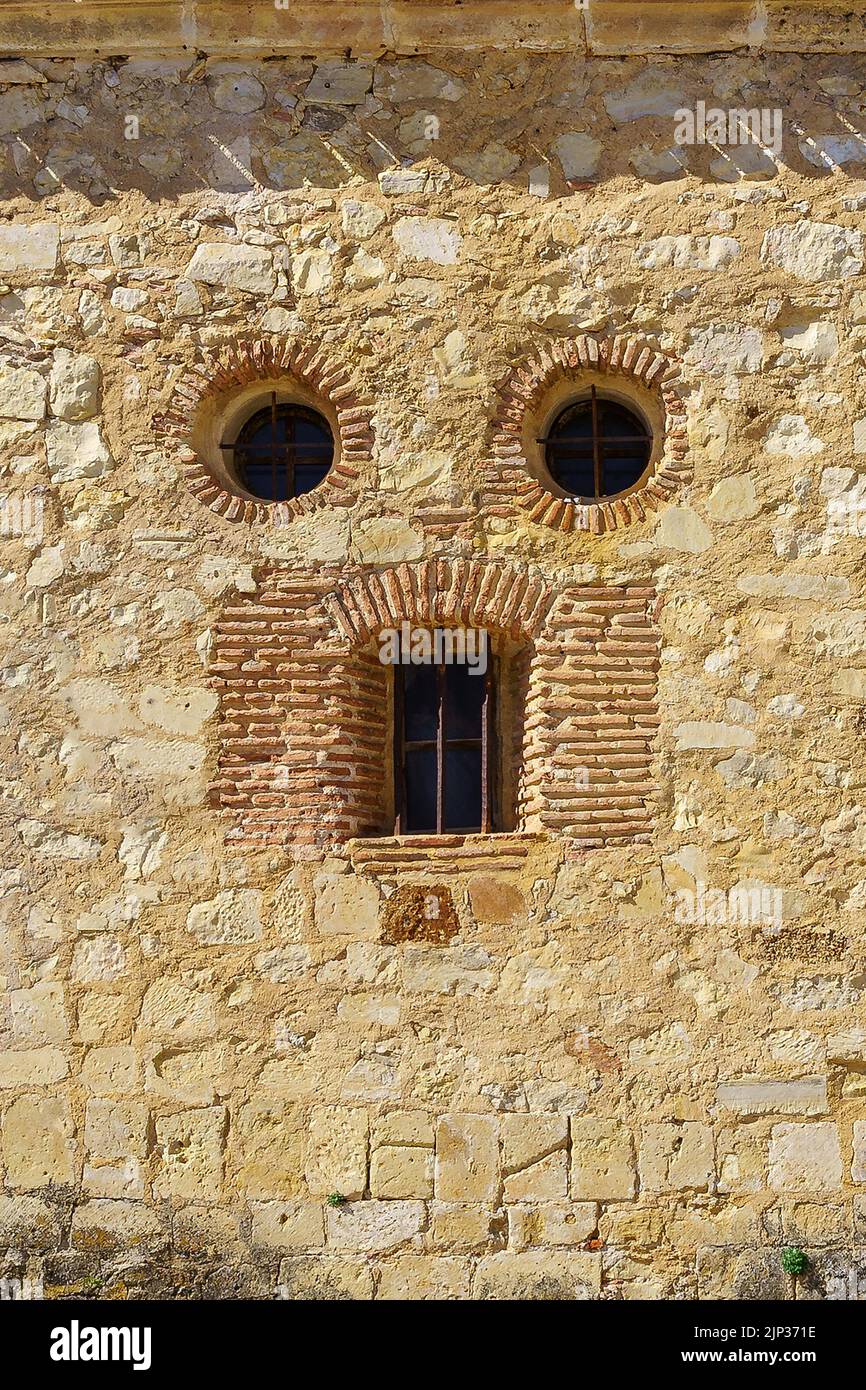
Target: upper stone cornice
367,28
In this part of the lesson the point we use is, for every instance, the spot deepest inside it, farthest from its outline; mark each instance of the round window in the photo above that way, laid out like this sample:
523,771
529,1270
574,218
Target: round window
597,447
283,451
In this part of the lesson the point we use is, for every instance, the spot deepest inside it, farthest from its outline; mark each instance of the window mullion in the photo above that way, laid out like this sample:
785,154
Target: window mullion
441,691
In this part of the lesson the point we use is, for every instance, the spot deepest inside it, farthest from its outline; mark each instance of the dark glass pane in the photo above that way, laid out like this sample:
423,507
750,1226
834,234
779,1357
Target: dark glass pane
463,789
463,702
420,702
258,479
308,431
420,790
624,442
308,476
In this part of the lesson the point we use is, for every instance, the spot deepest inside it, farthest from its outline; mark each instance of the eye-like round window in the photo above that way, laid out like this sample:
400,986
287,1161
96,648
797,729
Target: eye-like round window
597,447
283,451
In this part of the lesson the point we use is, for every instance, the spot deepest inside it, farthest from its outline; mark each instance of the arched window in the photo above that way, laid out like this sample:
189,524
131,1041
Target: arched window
597,447
283,451
444,755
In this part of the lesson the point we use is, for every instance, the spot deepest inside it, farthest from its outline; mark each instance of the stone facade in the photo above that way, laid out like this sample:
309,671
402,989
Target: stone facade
625,1056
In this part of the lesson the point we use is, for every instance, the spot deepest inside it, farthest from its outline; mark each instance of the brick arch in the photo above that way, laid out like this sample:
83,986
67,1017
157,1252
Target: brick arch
470,593
507,474
268,361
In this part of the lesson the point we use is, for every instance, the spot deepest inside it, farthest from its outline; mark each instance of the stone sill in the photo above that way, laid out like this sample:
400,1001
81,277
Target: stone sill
443,854
368,28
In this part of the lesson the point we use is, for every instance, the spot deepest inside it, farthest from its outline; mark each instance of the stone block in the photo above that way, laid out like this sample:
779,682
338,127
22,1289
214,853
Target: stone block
805,1158
374,1226
602,1160
337,1156
677,1158
38,1142
288,1225
538,1275
413,1278
467,1158
551,1223
191,1152
401,1172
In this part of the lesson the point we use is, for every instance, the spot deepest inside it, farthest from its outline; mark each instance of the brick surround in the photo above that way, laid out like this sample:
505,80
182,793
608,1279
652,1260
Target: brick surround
304,700
509,479
270,361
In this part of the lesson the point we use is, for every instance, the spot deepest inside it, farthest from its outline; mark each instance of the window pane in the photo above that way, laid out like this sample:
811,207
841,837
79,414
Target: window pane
463,702
308,476
420,790
258,478
420,702
463,789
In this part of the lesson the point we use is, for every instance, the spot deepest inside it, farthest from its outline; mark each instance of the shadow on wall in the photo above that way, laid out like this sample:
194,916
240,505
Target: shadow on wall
540,123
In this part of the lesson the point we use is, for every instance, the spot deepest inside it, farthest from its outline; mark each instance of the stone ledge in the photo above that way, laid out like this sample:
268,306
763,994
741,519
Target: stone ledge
372,27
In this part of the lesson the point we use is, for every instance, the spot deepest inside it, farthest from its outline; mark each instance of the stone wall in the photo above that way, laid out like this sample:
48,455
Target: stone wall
628,1064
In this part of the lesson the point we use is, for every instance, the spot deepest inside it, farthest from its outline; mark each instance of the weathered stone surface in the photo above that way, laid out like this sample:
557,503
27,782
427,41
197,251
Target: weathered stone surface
337,1159
233,267
232,918
76,452
538,1275
753,1096
805,1158
74,385
38,1143
602,1160
467,1158
374,1226
24,250
191,1153
22,393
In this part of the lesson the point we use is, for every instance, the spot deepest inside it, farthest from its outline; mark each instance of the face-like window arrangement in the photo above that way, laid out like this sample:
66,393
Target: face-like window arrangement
283,451
597,448
444,749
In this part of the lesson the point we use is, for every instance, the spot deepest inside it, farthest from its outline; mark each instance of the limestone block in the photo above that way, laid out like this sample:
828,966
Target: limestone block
538,1275
676,1158
288,1225
190,1074
386,540
76,451
38,1142
98,959
337,1157
462,1226
416,81
526,1139
176,711
74,385
347,905
428,239
858,1167
467,1158
232,918
339,84
602,1160
172,1009
458,970
270,1141
403,1128
327,1278
814,251
807,1095
233,266
374,1226
421,1277
191,1152
816,1223
360,219
29,1221
579,154
32,1067
22,393
116,1225
687,252
39,1013
401,1172
122,1178
805,1157
115,1129
111,1070
680,528
552,1223
27,249
543,1181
